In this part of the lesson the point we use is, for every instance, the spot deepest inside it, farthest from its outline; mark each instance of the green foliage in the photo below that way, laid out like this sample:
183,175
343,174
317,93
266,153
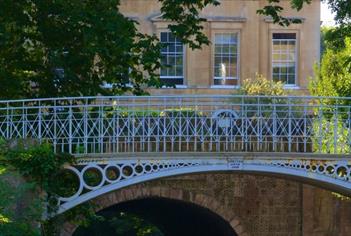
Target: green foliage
27,183
141,112
73,47
82,215
262,86
342,10
120,224
325,133
260,91
185,14
333,38
128,224
20,212
274,10
334,77
38,164
268,99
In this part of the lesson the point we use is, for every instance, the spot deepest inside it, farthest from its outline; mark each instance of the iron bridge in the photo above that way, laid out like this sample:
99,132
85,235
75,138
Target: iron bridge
126,140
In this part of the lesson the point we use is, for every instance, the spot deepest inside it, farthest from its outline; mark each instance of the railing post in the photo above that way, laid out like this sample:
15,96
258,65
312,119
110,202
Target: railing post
259,124
40,123
118,130
349,126
289,126
55,126
211,126
149,145
101,127
305,137
164,126
243,124
24,120
70,117
336,128
8,123
85,126
274,120
320,122
195,125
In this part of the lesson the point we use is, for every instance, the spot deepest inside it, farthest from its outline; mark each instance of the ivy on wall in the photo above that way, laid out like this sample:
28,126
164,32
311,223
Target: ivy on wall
30,182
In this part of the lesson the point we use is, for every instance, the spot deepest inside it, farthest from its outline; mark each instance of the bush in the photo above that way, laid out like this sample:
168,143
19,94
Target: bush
261,86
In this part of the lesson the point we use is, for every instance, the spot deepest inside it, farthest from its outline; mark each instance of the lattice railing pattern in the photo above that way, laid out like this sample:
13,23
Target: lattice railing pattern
129,124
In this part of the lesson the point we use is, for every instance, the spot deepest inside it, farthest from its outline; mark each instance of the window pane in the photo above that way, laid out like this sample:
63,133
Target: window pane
217,61
171,82
225,58
171,38
233,49
179,60
225,49
291,70
164,37
284,57
218,49
217,72
284,36
171,48
171,59
276,57
225,82
218,38
179,71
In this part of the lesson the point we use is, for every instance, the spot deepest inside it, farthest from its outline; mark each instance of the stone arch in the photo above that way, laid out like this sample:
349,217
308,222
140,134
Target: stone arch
136,192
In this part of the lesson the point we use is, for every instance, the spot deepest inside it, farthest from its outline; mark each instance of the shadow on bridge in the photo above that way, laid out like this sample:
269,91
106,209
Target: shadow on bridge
170,217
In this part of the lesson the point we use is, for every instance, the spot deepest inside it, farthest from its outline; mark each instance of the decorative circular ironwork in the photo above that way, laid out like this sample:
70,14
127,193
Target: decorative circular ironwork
92,176
112,173
139,169
127,171
79,190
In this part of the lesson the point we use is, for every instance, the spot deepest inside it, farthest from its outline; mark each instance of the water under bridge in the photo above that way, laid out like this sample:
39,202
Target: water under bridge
127,140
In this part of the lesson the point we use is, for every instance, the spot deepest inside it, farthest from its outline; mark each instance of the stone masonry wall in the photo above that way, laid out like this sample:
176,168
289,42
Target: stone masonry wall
254,205
264,205
270,206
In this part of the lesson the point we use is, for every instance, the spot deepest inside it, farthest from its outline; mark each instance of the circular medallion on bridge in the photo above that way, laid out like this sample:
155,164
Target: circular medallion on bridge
224,117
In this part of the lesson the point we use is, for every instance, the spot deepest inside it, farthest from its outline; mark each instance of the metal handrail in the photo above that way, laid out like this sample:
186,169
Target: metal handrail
186,123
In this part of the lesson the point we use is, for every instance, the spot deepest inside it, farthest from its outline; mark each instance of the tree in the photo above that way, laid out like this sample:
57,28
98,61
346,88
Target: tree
334,77
73,47
274,10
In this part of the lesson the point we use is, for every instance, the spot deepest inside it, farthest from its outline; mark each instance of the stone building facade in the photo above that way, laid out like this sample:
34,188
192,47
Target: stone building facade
243,44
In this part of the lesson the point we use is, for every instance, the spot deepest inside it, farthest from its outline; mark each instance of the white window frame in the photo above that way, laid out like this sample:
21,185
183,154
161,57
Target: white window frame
237,77
286,85
183,66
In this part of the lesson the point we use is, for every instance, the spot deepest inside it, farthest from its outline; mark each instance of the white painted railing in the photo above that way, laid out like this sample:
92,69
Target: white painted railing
129,124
